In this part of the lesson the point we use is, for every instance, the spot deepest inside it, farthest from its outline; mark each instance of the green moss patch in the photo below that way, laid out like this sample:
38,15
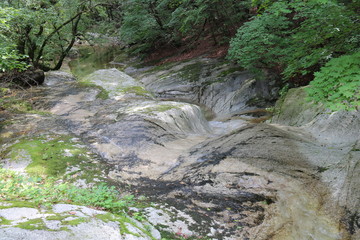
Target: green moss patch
123,220
191,72
4,221
75,222
49,155
12,102
33,224
57,217
230,71
15,204
103,94
107,217
153,109
57,156
161,67
138,90
161,108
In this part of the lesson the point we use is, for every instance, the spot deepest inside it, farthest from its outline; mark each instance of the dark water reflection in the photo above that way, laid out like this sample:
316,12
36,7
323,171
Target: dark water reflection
93,58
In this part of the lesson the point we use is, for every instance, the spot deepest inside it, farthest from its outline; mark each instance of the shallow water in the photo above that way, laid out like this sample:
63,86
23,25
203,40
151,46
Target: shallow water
93,58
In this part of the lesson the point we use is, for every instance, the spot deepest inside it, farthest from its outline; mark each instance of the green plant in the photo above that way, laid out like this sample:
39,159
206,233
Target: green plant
139,216
150,24
47,191
9,59
296,38
337,84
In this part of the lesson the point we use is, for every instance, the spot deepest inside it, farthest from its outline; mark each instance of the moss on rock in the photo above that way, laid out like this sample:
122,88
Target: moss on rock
75,222
191,72
16,204
49,155
103,94
230,71
33,224
4,221
137,90
154,108
56,156
294,109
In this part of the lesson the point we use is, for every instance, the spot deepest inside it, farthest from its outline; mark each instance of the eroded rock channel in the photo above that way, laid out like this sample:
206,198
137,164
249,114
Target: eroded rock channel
233,177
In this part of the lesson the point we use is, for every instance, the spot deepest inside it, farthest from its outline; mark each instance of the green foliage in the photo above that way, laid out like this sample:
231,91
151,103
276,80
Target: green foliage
296,38
43,30
337,84
150,23
9,59
143,23
328,30
260,43
9,56
46,191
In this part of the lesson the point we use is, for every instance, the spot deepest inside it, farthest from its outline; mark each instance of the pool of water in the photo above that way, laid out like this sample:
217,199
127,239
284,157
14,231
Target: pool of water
92,58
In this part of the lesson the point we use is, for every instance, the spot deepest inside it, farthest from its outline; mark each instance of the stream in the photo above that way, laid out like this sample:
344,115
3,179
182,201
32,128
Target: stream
227,175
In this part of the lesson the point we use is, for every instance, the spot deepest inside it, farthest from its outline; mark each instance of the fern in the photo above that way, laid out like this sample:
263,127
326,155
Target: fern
337,84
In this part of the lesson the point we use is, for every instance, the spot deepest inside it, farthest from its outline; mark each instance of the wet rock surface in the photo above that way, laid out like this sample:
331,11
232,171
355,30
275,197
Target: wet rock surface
231,179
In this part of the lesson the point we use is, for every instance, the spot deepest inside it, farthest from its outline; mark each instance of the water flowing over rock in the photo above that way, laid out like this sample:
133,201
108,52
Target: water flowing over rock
292,178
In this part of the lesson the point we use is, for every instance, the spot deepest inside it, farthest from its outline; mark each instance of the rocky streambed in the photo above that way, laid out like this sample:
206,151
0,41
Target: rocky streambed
191,136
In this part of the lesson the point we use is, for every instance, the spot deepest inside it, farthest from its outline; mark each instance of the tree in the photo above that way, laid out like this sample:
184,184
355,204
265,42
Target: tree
152,23
44,30
296,38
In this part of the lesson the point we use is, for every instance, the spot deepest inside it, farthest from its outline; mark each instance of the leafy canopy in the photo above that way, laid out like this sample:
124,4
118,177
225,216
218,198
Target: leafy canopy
44,30
153,23
296,37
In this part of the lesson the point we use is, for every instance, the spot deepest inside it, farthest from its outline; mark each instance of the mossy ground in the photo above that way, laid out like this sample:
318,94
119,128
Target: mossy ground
33,224
137,90
159,68
57,217
191,72
162,108
58,156
50,155
103,94
75,222
4,221
14,204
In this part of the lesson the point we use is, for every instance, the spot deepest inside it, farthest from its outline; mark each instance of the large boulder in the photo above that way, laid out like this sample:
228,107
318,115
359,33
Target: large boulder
337,134
223,88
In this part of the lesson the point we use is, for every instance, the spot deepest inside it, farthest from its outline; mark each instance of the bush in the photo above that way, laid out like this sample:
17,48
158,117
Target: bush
337,84
9,60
